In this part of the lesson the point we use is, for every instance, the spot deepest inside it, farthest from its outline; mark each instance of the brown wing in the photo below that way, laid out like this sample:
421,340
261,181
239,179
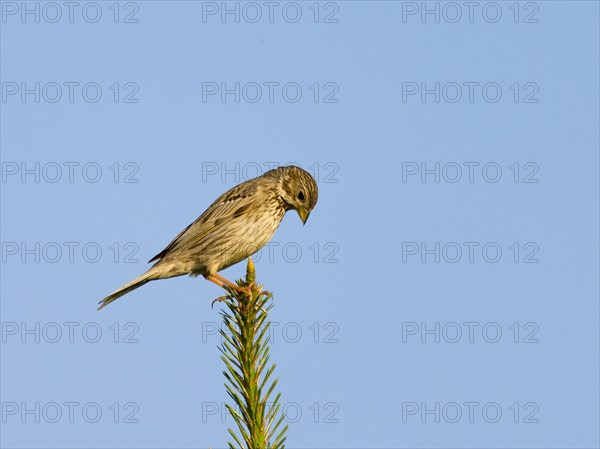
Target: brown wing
229,205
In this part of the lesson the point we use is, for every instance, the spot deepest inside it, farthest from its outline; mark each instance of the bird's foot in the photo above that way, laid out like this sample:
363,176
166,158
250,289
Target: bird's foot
252,287
247,291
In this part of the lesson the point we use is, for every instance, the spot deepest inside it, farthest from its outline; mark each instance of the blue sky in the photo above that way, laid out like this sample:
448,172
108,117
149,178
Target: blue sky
444,292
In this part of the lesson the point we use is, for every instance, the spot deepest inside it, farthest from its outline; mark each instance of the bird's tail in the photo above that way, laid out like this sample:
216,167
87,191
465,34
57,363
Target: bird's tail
148,276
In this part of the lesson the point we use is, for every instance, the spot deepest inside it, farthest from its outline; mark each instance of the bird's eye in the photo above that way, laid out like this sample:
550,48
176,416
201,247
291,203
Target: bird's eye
301,195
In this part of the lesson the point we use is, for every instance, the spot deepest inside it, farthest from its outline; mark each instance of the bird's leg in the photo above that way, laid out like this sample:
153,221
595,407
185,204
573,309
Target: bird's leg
210,278
225,283
220,284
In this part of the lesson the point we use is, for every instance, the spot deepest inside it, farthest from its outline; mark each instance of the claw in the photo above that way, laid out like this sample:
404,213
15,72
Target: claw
219,299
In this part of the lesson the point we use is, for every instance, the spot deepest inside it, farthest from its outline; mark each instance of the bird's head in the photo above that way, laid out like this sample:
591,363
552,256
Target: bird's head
299,190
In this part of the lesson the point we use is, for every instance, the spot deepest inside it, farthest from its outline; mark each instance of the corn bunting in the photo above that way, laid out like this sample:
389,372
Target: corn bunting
236,225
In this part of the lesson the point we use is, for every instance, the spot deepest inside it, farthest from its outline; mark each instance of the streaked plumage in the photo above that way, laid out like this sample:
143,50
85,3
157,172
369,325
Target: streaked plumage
236,225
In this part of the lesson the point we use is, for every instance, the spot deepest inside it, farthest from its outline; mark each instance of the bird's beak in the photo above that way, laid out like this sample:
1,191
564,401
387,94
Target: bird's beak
303,213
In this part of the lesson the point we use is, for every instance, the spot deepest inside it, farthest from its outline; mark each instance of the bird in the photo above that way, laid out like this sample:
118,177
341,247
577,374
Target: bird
231,229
